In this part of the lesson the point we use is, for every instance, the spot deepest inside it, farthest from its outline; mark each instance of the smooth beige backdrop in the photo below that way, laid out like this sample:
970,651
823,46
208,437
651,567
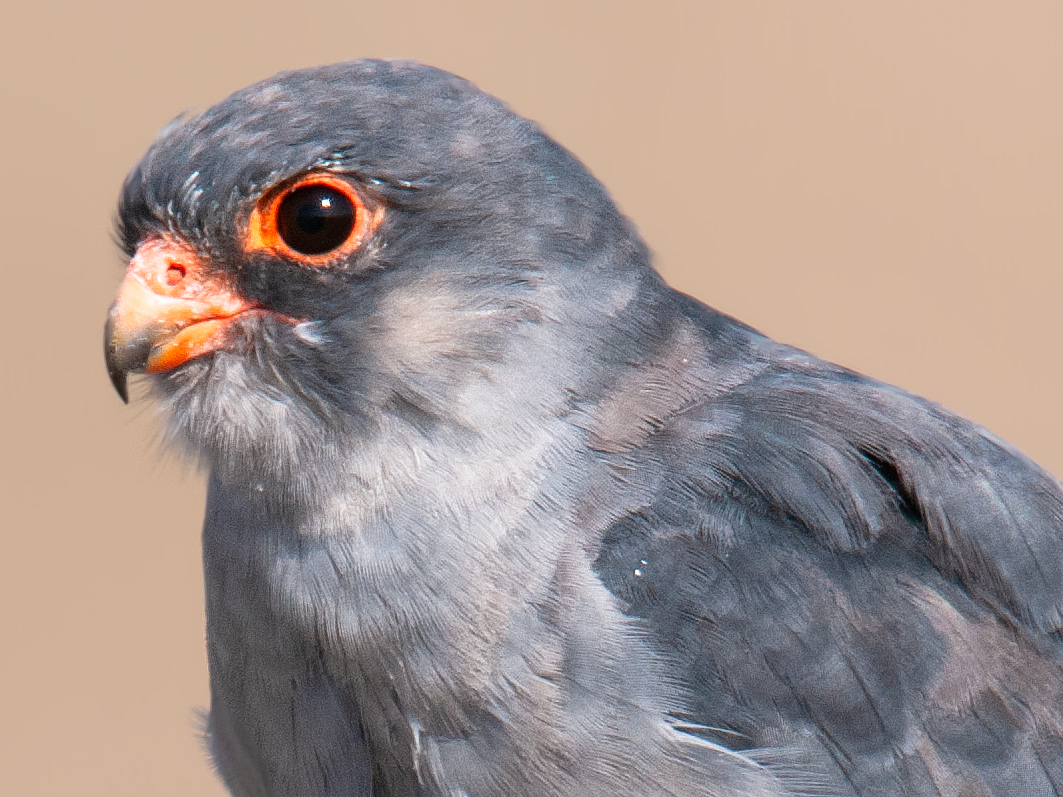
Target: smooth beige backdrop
878,182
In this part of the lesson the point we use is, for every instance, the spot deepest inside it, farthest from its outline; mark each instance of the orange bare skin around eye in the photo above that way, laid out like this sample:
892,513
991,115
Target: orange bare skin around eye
262,233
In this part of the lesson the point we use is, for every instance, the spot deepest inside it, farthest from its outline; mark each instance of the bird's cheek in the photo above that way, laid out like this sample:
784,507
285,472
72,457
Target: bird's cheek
169,309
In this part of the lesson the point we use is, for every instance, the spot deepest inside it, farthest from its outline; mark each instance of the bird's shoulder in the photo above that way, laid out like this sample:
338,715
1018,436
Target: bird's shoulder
736,439
829,558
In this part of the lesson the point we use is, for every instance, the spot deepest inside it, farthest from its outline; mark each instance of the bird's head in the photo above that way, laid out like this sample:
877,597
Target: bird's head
368,240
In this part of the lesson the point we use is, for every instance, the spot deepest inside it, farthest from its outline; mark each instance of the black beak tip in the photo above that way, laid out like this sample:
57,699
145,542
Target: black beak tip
114,370
118,379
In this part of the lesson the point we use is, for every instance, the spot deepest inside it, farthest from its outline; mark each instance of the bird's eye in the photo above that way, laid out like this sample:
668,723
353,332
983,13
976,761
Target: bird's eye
317,220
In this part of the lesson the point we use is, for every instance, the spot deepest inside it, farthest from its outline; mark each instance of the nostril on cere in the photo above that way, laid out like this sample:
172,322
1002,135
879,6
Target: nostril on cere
175,273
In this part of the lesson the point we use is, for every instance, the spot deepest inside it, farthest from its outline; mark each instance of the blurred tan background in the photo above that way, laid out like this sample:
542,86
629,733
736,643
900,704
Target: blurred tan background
878,182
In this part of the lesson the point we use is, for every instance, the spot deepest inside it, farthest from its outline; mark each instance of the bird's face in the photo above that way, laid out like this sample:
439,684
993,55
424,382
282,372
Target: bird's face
342,246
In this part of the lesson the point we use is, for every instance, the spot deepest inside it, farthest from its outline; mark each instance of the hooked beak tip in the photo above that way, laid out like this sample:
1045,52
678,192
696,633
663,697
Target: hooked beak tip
118,374
118,379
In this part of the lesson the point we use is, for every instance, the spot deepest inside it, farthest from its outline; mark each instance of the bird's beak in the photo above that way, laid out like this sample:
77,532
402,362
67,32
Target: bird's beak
169,310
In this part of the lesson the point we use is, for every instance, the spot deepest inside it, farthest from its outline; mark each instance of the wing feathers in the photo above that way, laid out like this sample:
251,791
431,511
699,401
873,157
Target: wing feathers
856,461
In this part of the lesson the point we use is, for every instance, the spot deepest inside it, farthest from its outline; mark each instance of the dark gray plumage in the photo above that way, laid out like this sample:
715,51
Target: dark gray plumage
499,513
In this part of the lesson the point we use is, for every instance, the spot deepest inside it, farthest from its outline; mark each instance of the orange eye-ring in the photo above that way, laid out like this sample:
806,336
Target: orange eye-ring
315,220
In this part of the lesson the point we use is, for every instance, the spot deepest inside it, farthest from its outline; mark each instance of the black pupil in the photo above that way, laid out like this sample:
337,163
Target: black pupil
315,219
